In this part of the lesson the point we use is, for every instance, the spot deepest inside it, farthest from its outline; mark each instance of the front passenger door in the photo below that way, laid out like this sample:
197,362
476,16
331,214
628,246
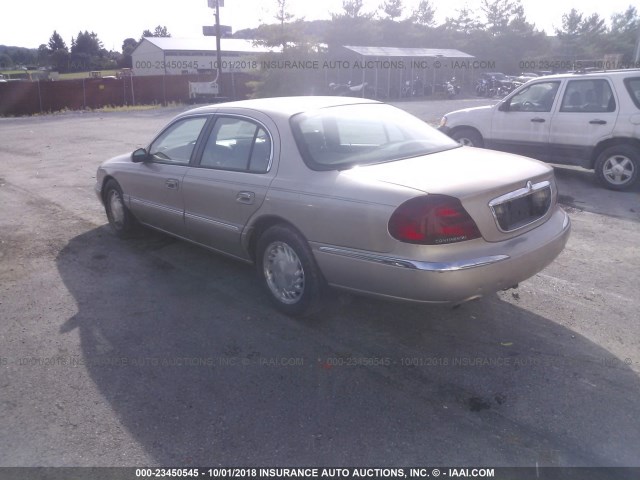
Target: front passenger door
522,123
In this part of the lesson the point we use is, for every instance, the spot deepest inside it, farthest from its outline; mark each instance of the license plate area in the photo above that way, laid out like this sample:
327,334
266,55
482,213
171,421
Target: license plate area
522,207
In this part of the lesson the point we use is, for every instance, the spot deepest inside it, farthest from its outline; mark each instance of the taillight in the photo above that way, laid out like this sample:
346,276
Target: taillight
432,220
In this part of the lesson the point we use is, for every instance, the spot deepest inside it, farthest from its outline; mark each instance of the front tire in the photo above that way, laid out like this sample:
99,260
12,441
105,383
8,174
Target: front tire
121,220
468,137
289,272
617,167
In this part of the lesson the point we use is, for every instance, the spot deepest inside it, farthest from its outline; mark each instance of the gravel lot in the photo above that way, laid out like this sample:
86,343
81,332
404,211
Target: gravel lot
156,352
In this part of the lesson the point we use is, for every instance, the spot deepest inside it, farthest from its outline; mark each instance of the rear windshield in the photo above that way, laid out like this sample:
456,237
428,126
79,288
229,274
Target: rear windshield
341,137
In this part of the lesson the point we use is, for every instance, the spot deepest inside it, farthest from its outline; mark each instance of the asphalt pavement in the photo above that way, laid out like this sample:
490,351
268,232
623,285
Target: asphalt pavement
156,352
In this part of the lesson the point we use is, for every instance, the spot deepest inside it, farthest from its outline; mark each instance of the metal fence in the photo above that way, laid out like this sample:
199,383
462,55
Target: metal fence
28,98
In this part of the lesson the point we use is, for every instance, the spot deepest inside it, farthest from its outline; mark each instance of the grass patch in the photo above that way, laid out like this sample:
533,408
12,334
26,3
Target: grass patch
81,75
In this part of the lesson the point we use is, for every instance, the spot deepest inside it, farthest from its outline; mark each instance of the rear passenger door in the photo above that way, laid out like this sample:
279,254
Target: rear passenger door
228,181
587,114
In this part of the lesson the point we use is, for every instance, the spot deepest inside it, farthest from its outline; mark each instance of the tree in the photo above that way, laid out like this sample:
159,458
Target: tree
570,24
502,16
87,52
392,9
626,22
424,14
593,26
464,23
582,36
128,46
623,34
87,43
352,9
287,33
56,43
352,26
43,55
159,31
56,54
5,61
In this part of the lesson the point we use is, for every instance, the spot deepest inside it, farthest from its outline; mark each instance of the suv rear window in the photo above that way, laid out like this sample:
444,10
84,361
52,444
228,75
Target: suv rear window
633,87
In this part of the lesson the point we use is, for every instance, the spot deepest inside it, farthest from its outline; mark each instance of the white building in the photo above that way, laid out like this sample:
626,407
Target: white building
180,56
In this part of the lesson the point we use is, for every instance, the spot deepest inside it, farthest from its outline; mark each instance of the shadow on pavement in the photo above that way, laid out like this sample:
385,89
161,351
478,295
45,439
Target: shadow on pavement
201,371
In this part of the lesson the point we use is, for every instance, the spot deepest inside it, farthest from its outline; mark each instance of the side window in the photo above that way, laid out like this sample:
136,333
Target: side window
589,96
176,143
261,154
237,144
633,87
538,97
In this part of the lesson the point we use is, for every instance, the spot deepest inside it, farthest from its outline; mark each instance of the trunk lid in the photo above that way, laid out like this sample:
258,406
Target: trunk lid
475,176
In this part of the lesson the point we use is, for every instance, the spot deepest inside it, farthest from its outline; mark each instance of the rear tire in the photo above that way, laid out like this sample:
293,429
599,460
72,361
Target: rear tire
289,272
121,220
617,167
468,137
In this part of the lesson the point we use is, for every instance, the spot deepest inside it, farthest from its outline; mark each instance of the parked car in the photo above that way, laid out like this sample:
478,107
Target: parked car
591,120
342,192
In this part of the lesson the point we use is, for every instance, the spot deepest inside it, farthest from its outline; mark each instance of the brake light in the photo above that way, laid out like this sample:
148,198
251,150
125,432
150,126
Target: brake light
432,220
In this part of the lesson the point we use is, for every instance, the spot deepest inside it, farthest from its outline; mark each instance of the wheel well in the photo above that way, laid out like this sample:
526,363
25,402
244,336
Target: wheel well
634,142
465,127
104,182
260,226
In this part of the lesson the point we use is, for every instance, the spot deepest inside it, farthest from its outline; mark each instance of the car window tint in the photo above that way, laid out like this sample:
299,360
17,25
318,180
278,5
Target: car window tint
237,144
261,153
633,87
361,134
176,143
367,132
593,95
538,97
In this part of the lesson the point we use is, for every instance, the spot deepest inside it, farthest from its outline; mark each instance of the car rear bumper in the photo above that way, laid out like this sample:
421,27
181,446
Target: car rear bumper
457,280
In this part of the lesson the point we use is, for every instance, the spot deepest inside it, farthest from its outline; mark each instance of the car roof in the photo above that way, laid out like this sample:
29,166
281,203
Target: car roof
593,73
287,106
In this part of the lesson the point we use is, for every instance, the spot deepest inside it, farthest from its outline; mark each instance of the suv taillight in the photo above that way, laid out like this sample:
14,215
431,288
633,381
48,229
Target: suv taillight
432,220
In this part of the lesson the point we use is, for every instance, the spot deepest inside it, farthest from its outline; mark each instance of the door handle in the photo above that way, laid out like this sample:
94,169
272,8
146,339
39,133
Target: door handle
598,122
172,183
245,197
538,120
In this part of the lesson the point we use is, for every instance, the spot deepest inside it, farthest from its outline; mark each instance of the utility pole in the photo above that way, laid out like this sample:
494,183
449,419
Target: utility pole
216,4
218,35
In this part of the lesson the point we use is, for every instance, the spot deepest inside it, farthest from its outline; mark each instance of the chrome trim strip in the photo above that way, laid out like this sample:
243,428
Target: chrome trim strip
521,192
146,203
438,267
217,223
516,194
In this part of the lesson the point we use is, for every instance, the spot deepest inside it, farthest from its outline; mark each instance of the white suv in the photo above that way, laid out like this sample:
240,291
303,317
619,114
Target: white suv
589,119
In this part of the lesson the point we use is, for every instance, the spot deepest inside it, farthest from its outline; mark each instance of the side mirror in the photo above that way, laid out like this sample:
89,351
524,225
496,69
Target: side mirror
140,155
505,106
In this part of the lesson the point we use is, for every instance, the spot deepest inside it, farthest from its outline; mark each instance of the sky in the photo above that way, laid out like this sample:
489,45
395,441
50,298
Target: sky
31,23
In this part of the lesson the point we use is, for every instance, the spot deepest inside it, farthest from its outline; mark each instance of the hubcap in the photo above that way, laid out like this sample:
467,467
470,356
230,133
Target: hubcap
116,208
465,141
283,272
618,169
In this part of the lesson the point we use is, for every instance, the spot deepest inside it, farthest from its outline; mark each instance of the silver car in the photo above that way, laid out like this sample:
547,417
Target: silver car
346,193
